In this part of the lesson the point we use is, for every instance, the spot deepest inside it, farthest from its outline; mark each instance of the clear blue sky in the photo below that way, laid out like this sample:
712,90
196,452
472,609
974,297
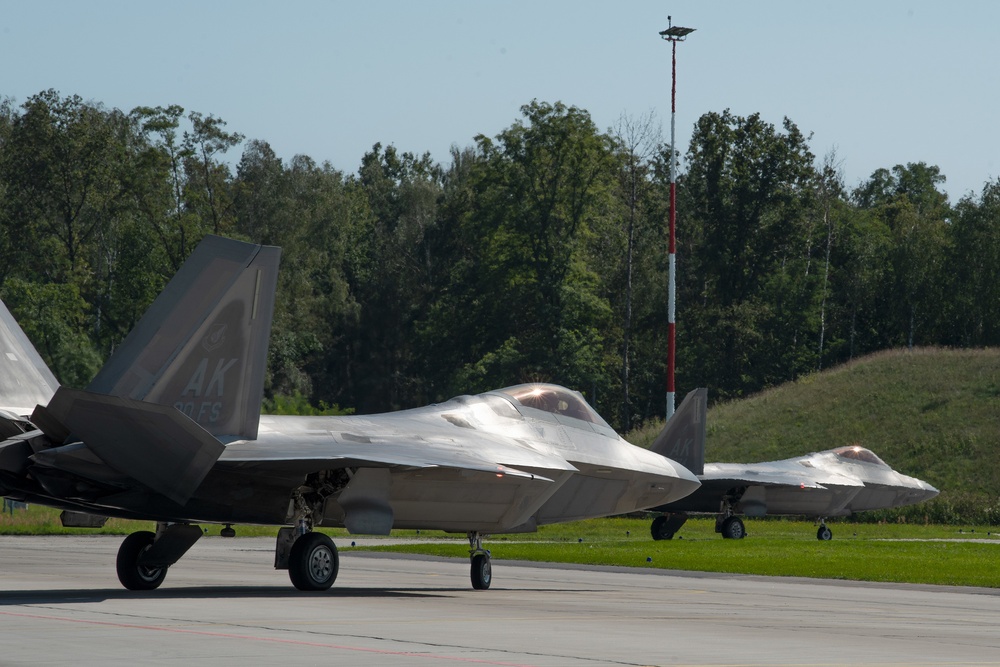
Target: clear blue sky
881,83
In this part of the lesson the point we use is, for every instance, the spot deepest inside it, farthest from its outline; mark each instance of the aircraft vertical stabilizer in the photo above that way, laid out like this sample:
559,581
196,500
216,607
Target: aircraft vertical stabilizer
202,345
683,438
25,380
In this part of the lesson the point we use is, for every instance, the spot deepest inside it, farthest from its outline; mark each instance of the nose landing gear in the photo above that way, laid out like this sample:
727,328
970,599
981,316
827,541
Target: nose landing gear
482,570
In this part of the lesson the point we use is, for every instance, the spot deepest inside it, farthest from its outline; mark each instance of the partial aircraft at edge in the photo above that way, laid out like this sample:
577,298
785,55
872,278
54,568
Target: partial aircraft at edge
170,431
835,482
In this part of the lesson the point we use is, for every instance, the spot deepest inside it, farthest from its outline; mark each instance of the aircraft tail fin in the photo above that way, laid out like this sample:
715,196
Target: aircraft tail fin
683,437
25,380
202,345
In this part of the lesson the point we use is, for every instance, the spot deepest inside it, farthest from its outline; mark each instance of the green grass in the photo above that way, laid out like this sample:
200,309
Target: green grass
41,520
862,552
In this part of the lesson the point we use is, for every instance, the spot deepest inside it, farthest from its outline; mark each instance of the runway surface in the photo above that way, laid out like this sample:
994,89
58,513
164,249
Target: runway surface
224,604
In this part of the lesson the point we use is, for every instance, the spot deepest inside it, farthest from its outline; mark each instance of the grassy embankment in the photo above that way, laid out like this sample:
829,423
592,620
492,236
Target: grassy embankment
929,413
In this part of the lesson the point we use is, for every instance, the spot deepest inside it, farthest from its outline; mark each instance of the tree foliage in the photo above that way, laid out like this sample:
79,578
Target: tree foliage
535,254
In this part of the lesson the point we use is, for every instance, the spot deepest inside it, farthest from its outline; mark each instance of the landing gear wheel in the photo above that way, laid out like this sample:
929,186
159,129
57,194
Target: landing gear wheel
313,562
482,571
824,533
733,528
134,576
660,529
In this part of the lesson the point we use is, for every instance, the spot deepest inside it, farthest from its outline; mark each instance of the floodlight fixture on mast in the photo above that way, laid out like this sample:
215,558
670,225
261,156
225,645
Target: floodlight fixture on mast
673,34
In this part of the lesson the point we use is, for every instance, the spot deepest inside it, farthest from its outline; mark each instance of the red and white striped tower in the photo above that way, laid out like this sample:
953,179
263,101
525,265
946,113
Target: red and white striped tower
672,34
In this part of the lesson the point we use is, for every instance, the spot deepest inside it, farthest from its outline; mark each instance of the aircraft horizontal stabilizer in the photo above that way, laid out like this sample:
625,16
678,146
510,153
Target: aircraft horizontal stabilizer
156,445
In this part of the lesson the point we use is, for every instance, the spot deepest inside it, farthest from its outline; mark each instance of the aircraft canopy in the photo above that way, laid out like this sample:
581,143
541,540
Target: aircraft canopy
858,453
555,399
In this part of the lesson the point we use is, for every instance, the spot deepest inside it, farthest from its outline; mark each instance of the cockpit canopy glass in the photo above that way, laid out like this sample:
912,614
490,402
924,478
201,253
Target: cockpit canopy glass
555,399
857,453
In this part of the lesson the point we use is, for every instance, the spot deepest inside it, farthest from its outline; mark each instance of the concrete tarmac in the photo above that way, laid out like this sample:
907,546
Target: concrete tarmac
224,604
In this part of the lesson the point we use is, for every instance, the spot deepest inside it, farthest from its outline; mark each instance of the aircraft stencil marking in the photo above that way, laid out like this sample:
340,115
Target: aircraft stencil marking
215,337
217,381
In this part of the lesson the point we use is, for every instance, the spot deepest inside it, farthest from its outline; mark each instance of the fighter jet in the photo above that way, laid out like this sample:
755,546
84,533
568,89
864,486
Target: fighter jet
170,431
836,482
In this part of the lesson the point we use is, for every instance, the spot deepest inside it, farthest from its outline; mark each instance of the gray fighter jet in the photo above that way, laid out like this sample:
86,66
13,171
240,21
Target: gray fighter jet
836,482
170,431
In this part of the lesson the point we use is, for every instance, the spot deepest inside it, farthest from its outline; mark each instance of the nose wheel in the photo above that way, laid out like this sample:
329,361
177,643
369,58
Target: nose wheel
824,534
482,569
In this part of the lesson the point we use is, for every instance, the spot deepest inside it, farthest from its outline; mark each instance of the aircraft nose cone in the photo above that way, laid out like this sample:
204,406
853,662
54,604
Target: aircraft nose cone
927,490
687,482
688,476
917,491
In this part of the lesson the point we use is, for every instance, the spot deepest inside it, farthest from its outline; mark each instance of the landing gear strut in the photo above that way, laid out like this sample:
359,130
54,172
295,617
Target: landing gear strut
482,570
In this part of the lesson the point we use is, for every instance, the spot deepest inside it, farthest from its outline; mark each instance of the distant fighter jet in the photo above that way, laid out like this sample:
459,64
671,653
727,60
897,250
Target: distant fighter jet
170,431
836,482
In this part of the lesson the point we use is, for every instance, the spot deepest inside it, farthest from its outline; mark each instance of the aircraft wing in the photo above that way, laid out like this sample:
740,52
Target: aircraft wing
303,454
731,475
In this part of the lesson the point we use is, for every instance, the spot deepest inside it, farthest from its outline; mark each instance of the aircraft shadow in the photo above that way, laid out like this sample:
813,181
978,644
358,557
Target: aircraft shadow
77,596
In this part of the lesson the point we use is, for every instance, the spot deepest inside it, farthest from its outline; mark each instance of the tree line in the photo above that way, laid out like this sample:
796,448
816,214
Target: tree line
536,254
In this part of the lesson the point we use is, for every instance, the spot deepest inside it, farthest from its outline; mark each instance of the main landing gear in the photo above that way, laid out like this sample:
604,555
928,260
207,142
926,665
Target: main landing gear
728,524
144,557
132,573
311,558
313,562
667,524
482,570
823,534
730,527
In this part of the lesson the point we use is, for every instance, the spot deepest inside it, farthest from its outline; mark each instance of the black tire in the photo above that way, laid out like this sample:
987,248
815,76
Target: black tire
482,572
313,562
733,528
824,534
659,529
133,576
